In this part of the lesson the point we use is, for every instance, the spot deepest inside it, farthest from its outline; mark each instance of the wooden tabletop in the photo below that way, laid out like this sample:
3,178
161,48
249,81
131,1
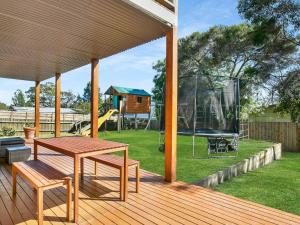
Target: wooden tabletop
78,144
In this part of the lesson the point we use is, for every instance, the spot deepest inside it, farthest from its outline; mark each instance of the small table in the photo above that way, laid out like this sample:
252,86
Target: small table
79,147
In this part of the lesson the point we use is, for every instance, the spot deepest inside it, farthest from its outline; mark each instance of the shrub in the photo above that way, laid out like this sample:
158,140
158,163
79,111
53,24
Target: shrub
6,131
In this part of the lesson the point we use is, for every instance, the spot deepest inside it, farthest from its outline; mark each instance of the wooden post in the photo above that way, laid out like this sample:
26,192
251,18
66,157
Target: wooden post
171,106
119,115
57,105
94,97
135,122
37,108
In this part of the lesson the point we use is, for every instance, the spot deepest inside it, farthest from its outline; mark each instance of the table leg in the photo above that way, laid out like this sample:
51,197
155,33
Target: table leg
35,150
76,188
81,169
125,192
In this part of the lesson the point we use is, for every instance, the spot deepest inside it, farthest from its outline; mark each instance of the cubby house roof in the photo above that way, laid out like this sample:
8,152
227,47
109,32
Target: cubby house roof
122,90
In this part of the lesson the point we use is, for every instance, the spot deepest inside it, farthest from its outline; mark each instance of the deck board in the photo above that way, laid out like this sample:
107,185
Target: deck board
157,203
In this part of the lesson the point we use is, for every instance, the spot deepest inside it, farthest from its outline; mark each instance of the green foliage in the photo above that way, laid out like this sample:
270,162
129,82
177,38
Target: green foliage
238,51
273,16
83,107
280,18
289,96
82,103
19,98
47,96
159,81
6,131
3,106
29,124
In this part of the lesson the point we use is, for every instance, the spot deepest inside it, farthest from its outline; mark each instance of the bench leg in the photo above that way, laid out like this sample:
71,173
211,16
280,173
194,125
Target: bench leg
81,168
95,168
137,177
40,215
69,199
121,183
14,180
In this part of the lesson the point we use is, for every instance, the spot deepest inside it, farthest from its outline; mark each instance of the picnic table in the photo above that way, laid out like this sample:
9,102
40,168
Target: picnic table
78,148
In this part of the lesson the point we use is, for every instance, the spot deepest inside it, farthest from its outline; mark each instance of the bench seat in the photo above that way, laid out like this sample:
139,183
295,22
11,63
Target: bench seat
42,177
113,160
117,162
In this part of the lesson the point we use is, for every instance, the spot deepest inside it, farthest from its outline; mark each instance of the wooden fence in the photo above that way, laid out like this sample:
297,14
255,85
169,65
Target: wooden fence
17,120
286,133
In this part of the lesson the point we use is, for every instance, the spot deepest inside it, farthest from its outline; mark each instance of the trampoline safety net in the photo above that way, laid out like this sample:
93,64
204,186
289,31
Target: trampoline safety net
209,107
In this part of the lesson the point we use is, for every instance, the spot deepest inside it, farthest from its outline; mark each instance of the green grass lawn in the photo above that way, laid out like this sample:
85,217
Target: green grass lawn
144,145
276,185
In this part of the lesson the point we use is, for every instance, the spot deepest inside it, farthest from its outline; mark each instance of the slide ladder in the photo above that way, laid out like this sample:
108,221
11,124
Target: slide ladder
85,131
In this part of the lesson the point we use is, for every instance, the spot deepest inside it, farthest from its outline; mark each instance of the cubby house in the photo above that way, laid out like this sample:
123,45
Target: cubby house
129,100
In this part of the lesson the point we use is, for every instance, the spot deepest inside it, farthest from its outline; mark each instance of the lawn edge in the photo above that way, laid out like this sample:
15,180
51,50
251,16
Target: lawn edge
252,163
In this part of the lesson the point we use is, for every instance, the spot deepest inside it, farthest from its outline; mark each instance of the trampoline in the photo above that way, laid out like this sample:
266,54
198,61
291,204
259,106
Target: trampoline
209,107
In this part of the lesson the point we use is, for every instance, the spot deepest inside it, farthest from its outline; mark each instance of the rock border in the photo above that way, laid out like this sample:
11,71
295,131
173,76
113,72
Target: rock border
252,163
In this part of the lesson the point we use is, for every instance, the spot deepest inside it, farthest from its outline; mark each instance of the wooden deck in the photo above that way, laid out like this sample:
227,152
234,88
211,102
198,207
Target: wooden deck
157,203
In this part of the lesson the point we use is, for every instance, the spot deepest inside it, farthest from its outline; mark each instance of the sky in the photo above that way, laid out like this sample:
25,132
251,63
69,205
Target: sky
133,68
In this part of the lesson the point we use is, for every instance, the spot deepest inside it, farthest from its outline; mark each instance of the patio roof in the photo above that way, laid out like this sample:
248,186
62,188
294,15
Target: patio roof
41,38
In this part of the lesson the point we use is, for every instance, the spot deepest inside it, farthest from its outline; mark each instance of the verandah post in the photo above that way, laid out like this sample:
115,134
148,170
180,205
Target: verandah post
94,97
171,106
37,108
57,104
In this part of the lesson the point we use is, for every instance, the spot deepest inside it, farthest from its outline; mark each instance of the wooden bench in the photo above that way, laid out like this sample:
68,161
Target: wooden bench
117,162
41,177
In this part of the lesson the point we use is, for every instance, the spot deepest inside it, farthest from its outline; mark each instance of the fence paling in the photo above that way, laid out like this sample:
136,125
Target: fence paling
29,116
286,133
17,120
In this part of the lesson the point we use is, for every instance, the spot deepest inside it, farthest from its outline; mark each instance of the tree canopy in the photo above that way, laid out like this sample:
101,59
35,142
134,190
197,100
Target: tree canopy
273,16
238,51
279,18
47,96
18,98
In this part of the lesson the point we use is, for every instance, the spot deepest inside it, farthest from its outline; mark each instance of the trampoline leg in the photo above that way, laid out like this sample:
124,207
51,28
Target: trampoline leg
193,146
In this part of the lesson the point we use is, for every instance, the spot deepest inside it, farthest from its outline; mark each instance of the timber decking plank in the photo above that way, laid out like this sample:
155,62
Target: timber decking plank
157,203
238,222
134,208
27,196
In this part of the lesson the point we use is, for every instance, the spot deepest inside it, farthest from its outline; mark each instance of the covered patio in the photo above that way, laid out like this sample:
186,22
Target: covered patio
40,39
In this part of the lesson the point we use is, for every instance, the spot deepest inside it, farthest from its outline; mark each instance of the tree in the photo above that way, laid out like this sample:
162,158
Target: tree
159,80
47,96
68,99
18,98
238,51
289,95
279,18
276,16
86,97
83,102
3,106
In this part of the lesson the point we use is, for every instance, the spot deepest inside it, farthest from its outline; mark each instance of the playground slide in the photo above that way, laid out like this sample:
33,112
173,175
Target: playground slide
85,131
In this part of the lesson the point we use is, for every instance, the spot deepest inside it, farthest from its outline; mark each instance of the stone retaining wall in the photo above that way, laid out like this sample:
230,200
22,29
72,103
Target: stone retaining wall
254,162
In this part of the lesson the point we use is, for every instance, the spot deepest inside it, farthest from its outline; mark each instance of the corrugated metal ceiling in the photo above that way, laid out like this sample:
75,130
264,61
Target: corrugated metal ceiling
41,37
